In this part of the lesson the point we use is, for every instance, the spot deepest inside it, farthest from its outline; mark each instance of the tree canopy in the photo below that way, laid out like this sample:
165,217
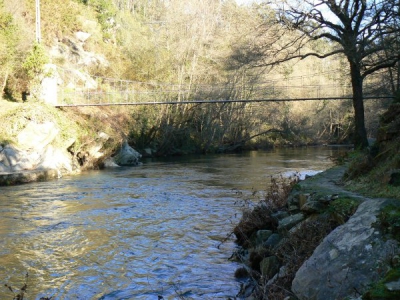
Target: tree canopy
366,32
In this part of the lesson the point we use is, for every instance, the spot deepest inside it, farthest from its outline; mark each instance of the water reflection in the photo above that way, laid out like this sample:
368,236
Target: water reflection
135,233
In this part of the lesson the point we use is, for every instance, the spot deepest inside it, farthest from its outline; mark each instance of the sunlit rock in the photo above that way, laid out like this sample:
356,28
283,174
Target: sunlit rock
82,36
127,156
36,136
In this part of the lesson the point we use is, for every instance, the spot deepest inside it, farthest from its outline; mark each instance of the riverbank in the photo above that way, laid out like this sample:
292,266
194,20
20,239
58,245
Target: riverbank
39,142
321,241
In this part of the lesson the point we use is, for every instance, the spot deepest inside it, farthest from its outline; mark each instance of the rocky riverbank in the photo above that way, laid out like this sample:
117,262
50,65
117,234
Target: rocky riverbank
39,142
320,241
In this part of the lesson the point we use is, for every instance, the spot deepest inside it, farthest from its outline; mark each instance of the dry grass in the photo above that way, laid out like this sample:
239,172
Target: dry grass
294,251
297,244
260,216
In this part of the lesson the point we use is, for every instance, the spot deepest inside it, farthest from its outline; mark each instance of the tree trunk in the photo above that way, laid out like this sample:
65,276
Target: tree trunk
360,133
4,83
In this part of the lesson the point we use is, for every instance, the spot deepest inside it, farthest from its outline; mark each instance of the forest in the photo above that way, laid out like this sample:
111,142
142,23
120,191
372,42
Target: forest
213,49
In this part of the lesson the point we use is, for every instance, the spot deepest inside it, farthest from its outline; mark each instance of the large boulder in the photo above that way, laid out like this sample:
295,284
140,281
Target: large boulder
34,152
127,156
349,259
36,136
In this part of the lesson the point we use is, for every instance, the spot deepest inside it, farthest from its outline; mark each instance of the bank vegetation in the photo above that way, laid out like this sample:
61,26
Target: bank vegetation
199,49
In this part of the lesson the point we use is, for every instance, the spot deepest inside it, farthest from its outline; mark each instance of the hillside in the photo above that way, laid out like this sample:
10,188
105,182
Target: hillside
198,47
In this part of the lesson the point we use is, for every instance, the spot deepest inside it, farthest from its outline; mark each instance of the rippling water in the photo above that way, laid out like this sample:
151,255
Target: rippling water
136,233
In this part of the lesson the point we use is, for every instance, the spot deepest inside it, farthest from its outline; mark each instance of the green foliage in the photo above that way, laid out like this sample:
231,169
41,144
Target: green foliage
8,32
159,41
35,61
380,291
8,44
360,163
17,118
370,172
389,219
59,18
106,12
343,208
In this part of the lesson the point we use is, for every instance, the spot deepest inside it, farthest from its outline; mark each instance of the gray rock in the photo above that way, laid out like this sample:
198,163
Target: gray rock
393,286
110,163
37,136
349,259
246,289
313,207
28,176
127,156
289,222
293,199
35,151
281,273
262,236
4,160
57,159
279,215
294,209
71,49
273,240
148,151
269,266
82,36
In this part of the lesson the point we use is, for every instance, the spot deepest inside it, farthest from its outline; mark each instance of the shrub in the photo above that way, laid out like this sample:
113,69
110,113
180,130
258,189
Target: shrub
35,61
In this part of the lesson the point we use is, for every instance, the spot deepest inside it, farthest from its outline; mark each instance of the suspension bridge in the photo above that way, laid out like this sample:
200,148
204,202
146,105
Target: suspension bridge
78,89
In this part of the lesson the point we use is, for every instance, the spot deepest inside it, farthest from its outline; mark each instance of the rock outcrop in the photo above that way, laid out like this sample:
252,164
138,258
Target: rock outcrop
324,243
39,153
350,259
34,150
72,49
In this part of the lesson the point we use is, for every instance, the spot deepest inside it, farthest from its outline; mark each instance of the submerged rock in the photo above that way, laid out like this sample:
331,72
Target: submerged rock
28,176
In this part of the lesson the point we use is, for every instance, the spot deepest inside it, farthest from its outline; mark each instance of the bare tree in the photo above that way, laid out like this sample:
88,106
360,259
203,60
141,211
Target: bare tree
361,30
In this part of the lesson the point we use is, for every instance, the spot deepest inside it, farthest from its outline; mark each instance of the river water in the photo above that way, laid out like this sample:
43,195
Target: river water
137,233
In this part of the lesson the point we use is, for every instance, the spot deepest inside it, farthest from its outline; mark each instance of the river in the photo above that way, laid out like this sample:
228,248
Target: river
137,233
